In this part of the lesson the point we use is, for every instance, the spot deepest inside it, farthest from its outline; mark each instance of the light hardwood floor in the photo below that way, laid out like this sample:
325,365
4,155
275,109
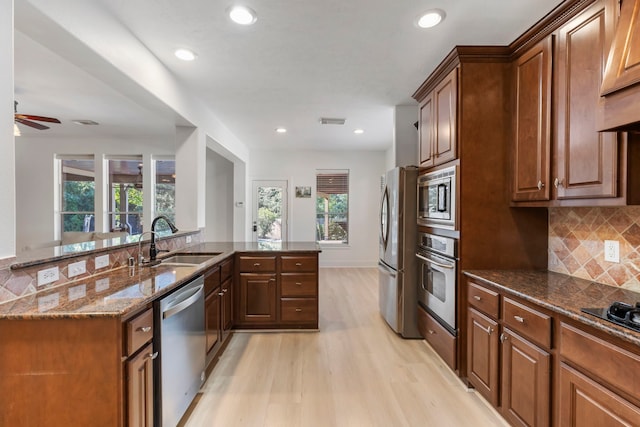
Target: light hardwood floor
354,372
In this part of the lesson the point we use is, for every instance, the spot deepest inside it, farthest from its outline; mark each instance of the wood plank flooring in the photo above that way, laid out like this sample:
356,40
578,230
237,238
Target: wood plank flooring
354,372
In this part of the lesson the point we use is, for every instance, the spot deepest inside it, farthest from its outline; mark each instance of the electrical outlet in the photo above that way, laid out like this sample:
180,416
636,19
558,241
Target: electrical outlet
188,238
77,268
48,275
102,261
612,250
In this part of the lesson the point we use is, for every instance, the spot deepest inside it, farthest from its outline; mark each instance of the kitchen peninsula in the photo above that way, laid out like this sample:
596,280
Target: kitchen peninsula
83,352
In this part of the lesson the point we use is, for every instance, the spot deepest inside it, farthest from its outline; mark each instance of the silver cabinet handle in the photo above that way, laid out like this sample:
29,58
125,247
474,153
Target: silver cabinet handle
540,185
298,264
144,328
431,332
503,337
256,264
225,290
558,182
221,294
152,355
488,330
298,284
519,319
477,298
298,309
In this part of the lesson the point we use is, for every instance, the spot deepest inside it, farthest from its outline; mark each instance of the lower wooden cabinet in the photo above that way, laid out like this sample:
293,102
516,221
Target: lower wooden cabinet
438,338
586,403
526,381
139,372
212,318
257,298
482,355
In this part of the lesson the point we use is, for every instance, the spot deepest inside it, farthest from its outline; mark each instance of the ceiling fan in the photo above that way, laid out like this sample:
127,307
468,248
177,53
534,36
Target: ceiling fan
27,119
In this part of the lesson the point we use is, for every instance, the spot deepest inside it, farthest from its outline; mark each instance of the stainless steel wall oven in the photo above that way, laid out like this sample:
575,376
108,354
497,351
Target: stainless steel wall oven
437,278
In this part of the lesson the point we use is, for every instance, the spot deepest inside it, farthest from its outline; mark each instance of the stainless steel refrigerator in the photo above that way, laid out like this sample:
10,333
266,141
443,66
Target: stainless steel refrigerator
397,278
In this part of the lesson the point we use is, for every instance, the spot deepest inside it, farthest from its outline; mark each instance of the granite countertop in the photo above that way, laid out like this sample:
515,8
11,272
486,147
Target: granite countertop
565,295
125,290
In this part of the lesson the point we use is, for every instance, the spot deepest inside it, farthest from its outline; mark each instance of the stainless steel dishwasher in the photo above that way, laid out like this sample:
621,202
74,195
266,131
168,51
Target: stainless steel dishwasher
182,349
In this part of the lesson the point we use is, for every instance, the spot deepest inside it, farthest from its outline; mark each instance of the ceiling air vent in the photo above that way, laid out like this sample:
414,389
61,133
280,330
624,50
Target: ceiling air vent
329,121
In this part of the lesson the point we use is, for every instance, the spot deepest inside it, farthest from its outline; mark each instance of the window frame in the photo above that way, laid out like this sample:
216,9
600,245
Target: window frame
327,212
60,198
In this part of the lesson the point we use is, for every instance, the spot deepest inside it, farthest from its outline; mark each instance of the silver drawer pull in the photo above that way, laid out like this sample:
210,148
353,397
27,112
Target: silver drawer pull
298,264
152,355
298,283
256,264
144,328
477,298
519,319
221,294
225,290
431,332
298,309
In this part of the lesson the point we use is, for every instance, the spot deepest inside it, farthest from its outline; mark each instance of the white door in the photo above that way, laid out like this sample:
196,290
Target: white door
270,211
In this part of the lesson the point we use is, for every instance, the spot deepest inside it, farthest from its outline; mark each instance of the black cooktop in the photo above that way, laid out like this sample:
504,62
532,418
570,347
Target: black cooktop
619,313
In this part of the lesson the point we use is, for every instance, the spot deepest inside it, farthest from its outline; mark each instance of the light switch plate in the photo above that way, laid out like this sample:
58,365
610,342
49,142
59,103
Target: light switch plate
48,275
612,250
77,268
102,261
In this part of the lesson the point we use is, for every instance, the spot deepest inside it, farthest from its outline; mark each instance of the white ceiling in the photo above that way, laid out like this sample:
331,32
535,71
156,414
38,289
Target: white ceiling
301,61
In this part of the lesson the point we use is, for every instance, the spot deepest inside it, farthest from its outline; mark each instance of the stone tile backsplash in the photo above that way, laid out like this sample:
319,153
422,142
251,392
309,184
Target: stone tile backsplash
24,281
576,244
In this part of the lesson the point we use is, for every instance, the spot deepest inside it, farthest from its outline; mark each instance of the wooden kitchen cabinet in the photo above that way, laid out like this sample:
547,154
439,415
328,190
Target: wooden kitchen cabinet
226,275
258,296
482,355
532,123
438,338
212,308
299,290
583,166
139,371
438,122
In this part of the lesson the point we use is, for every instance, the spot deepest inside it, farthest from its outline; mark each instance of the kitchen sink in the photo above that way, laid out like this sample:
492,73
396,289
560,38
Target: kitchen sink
188,259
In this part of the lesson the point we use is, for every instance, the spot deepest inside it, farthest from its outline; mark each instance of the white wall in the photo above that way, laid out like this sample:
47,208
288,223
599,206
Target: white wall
7,155
35,183
299,168
405,135
219,199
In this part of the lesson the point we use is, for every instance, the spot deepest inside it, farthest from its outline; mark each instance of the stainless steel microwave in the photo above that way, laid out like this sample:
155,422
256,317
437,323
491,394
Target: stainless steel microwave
437,198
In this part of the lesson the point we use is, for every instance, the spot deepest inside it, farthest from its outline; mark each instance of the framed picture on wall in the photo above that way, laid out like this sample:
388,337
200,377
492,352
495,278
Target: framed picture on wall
303,192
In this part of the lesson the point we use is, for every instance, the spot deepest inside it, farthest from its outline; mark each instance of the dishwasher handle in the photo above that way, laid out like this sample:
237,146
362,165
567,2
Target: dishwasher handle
183,301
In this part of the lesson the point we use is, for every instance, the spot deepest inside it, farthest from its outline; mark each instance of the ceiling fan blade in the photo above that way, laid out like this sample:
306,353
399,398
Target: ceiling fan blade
38,118
31,124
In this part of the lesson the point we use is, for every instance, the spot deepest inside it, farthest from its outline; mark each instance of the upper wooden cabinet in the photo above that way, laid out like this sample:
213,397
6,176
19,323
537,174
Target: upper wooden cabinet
620,88
559,155
532,123
438,122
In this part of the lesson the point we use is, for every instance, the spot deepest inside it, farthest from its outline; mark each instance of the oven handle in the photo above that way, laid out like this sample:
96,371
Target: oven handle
439,264
387,270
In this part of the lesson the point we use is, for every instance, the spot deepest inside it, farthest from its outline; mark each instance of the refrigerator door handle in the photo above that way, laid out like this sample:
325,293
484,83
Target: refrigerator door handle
387,270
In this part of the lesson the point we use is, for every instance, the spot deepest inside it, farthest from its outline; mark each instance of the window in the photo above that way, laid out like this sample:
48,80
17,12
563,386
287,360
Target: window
332,206
126,195
78,194
166,189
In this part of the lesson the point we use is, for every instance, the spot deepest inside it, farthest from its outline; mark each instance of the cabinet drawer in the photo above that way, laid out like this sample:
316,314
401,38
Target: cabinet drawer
257,264
299,263
226,270
527,321
139,331
438,337
299,285
484,299
299,310
602,359
211,280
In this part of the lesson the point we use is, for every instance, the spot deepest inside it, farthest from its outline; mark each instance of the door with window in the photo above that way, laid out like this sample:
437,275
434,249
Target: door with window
270,211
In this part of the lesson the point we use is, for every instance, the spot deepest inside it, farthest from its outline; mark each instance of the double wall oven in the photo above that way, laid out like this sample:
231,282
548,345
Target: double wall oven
437,258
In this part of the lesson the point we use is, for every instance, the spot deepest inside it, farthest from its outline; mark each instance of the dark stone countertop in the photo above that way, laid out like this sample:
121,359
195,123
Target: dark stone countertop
118,292
565,295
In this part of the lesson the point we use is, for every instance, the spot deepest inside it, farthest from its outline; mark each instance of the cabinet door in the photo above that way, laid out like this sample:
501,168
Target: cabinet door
586,160
584,402
525,382
140,388
212,318
445,104
257,298
482,355
427,130
227,313
532,123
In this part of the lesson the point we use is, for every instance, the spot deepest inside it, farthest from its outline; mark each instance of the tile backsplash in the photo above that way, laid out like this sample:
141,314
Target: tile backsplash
576,244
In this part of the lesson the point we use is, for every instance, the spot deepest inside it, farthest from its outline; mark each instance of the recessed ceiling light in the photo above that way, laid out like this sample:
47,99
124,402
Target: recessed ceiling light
358,131
281,130
243,15
430,18
185,54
